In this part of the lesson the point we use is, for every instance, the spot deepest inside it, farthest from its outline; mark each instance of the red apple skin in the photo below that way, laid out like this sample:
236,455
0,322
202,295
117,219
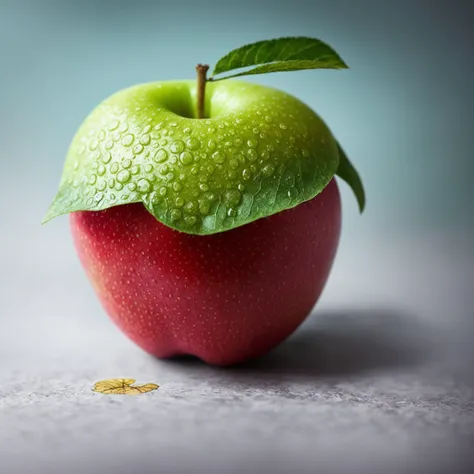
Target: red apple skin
224,298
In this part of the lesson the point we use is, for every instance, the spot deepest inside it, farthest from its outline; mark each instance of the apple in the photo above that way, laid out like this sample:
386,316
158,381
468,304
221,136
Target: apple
208,220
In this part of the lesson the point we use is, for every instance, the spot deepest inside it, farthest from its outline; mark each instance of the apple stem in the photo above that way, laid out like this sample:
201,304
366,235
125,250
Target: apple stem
201,70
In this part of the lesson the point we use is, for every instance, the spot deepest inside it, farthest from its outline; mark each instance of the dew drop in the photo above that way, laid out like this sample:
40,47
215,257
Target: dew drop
113,125
126,163
160,155
164,169
211,144
123,176
232,197
177,186
175,215
241,188
93,144
148,168
76,165
218,157
123,127
232,174
138,148
145,139
186,158
246,174
101,170
111,182
187,130
179,202
135,169
252,143
132,186
163,191
232,212
147,130
283,126
127,140
204,207
177,146
109,144
112,197
204,187
92,179
190,220
252,154
193,143
144,185
268,170
234,164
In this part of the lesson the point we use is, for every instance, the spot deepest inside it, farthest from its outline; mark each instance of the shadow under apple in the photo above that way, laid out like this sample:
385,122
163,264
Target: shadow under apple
345,342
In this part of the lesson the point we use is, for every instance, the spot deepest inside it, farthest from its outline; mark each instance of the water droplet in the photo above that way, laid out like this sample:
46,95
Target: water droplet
95,155
179,201
147,129
160,155
173,124
252,154
268,119
90,201
218,157
123,127
143,185
256,131
112,197
246,174
252,143
268,170
195,170
109,144
92,179
211,144
132,186
175,215
93,144
76,165
118,186
111,182
101,170
204,207
187,130
148,168
158,126
232,212
305,152
232,197
177,146
241,188
163,191
125,196
270,148
228,144
138,148
193,143
135,169
169,177
238,120
186,158
283,126
204,187
164,169
177,187
163,142
126,163
127,140
190,220
113,125
145,139
232,174
123,176
106,157
102,135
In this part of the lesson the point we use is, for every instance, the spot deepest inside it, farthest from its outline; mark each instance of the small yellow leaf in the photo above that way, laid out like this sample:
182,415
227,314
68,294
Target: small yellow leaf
122,387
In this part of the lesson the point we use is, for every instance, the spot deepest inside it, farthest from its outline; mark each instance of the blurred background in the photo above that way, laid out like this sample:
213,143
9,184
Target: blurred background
404,113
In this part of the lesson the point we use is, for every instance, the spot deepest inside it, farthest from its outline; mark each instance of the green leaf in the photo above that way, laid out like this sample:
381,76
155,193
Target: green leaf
348,173
282,54
261,151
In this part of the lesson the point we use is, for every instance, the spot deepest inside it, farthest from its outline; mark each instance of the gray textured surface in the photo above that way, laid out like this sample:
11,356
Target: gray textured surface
378,379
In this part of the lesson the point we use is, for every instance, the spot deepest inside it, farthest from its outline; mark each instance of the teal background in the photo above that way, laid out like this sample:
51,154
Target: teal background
403,111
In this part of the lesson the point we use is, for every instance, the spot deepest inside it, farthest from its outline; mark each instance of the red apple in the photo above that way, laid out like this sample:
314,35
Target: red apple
225,297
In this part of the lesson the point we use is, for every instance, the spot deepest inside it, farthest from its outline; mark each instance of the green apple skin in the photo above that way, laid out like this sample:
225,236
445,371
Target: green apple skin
248,175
